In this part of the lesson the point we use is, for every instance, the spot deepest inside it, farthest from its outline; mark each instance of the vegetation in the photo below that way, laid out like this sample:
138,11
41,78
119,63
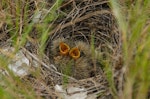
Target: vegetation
133,17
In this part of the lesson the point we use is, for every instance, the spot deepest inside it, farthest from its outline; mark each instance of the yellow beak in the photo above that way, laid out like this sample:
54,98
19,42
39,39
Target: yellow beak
74,53
64,48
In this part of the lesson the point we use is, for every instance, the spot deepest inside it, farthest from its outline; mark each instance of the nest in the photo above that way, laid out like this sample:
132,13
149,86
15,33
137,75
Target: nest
89,28
90,22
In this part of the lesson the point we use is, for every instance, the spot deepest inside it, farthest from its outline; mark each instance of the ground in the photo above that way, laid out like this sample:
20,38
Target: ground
93,47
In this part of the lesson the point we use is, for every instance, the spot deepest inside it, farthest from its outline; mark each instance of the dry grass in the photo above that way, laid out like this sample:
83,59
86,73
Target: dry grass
116,33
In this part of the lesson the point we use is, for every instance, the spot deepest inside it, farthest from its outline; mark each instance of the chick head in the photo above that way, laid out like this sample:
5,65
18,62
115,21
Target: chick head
72,58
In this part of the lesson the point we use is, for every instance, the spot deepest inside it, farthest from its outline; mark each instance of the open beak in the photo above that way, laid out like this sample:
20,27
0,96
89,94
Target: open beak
74,53
64,48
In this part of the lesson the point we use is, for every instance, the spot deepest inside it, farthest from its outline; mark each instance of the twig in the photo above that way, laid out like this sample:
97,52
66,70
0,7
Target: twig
38,60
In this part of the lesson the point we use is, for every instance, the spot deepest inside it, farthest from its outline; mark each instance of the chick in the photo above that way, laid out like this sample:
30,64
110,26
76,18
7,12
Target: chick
55,46
73,58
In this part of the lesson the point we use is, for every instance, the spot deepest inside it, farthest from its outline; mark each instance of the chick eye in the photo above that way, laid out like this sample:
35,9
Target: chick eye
74,53
64,48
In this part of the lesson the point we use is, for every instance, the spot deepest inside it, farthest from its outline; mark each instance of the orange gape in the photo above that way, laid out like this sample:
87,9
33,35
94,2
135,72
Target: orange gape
64,48
74,53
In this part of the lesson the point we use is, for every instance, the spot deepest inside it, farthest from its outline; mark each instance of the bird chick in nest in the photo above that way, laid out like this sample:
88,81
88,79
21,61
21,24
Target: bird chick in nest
73,58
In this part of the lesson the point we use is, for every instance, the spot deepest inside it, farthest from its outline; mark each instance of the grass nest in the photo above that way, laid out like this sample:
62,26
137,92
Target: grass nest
84,41
90,27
